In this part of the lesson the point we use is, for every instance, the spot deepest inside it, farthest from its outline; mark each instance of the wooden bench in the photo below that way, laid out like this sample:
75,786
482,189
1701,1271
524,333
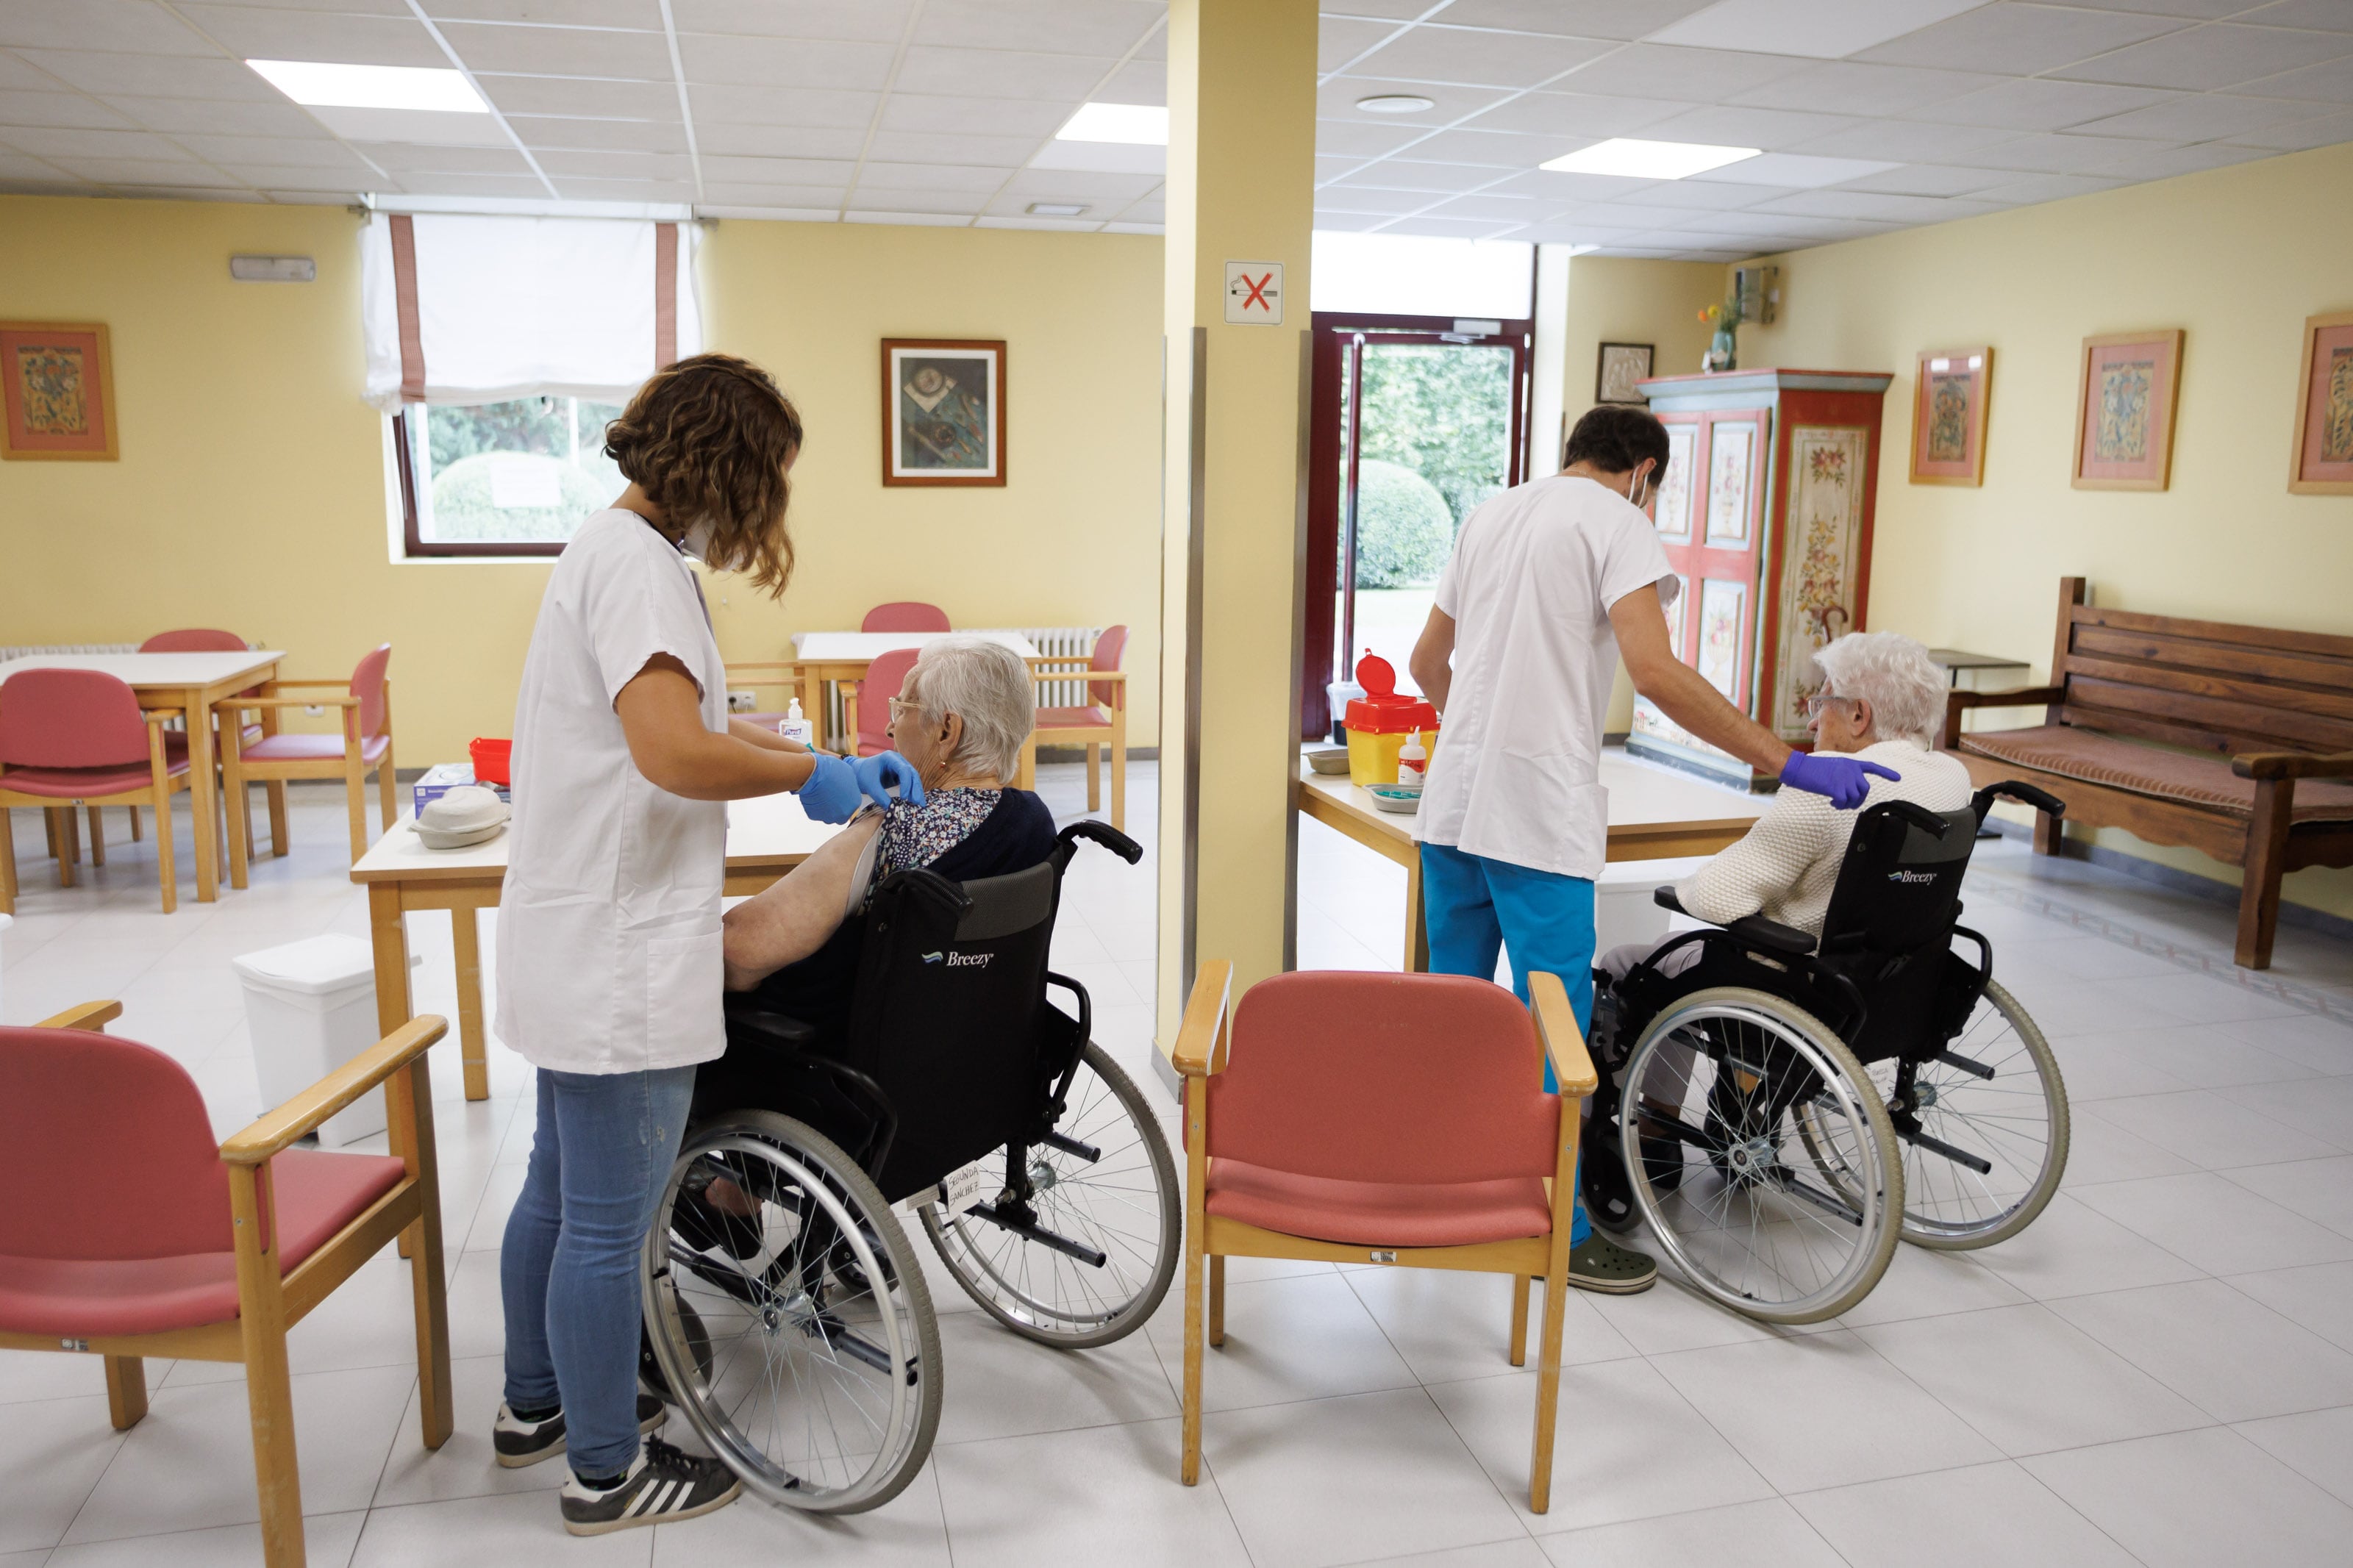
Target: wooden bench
2227,739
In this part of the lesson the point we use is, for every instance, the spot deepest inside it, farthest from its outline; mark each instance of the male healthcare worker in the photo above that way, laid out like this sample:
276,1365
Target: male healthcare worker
1550,584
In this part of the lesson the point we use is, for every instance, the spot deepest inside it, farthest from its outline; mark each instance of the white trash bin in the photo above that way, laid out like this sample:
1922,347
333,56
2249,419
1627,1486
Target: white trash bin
1623,910
310,1008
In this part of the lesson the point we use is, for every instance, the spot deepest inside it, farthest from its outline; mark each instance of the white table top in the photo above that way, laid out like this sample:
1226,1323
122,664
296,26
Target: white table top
1640,794
761,831
848,648
153,669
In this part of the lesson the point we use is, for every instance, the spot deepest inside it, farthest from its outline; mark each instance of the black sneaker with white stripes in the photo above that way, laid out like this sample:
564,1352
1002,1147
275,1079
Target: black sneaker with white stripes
518,1442
663,1486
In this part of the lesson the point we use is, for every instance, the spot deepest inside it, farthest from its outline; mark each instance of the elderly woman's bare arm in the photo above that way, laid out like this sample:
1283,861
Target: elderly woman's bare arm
793,918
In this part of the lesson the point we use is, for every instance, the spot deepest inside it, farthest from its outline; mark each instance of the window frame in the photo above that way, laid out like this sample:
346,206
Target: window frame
416,547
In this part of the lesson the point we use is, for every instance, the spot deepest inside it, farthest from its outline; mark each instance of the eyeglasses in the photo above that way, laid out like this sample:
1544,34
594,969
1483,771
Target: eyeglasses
904,705
1821,700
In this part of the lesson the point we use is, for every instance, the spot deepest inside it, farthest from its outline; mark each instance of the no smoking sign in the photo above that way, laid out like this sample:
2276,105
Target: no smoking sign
1254,293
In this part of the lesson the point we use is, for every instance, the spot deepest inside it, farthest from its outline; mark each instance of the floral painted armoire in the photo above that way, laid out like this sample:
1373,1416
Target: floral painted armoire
1766,514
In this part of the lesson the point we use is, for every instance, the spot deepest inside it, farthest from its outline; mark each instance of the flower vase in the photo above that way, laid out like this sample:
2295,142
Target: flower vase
1720,350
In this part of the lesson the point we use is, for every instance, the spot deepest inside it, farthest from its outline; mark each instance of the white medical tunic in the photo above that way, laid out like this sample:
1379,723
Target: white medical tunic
1516,774
608,942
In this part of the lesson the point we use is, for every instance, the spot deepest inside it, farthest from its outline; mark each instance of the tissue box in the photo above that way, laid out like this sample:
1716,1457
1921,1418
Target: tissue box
439,781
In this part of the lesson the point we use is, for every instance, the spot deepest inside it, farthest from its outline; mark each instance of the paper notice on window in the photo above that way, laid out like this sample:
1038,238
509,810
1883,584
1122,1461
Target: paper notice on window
520,484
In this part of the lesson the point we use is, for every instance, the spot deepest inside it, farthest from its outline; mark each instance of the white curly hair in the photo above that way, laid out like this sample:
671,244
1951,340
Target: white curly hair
1894,674
989,687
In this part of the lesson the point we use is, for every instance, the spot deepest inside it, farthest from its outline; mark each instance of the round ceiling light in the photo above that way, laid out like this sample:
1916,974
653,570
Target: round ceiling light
1396,103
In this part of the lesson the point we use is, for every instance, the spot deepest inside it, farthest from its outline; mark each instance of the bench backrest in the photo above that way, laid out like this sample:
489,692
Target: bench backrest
2209,685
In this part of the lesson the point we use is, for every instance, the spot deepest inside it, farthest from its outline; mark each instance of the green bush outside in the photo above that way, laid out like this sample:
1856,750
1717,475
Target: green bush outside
462,509
1404,529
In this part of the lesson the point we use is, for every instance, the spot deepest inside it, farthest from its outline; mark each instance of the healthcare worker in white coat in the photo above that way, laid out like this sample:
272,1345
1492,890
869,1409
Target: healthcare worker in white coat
610,955
1549,584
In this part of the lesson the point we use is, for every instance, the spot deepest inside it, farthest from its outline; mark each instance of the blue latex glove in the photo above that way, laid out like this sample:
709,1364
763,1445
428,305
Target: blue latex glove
1844,780
830,793
878,772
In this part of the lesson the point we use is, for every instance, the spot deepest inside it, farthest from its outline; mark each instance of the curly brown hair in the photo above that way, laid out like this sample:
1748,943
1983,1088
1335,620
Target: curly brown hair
710,437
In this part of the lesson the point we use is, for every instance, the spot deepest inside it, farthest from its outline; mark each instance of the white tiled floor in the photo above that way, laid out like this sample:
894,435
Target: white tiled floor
2159,1371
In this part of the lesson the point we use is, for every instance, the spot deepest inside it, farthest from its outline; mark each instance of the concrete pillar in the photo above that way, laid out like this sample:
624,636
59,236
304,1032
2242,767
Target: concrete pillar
1241,165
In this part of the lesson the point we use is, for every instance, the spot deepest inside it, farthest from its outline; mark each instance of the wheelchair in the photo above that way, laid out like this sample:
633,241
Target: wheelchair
787,1314
1782,1111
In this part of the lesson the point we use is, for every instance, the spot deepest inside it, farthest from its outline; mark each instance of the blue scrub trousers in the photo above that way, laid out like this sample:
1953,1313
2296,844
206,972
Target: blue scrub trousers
1474,909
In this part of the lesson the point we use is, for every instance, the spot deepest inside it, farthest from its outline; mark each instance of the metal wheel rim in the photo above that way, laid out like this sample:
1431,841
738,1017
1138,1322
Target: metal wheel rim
1730,1222
1042,1293
1939,1210
864,1474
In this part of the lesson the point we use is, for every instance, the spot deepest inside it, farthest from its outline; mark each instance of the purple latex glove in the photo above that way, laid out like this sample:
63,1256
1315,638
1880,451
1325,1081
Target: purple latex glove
830,794
1844,780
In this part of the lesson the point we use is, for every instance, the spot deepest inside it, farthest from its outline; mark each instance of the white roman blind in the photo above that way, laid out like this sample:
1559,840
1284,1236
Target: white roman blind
467,309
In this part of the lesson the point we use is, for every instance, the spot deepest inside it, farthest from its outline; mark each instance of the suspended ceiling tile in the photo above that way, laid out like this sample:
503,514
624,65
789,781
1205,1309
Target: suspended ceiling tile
1871,206
937,147
1404,175
969,179
414,126
1497,209
142,170
74,141
758,105
1146,212
909,219
1620,19
1906,141
1670,71
404,158
1627,216
560,163
1329,169
444,183
133,27
999,73
1348,222
2048,188
754,193
59,109
1364,199
1932,180
577,189
256,32
2164,162
1341,40
1366,137
2212,57
582,97
2331,81
320,152
18,76
778,140
1849,86
617,135
1809,28
215,117
1571,188
988,116
2191,10
1485,149
873,21
892,198
1703,196
1581,116
2013,39
349,182
1079,185
1077,27
644,13
2299,135
1138,81
2058,155
163,75
561,51
2201,117
771,64
2328,16
1770,128
2037,105
1337,98
1434,52
1446,228
735,169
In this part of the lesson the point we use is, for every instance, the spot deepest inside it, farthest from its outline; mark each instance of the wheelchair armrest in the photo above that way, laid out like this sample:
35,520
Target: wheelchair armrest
1756,930
783,1030
1665,899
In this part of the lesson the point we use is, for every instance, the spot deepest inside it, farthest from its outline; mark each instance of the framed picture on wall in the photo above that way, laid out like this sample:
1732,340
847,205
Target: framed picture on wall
1949,417
1620,367
57,392
942,411
2323,464
2125,401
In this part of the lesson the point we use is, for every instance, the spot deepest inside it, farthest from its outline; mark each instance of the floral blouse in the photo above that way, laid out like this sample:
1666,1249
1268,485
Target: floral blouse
915,836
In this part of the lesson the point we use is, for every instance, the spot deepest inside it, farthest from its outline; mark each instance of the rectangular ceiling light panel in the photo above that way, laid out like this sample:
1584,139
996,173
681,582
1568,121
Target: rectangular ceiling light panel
1820,29
323,85
1636,160
1140,124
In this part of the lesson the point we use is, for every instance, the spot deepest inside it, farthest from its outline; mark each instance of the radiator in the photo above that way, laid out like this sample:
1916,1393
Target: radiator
1069,642
9,653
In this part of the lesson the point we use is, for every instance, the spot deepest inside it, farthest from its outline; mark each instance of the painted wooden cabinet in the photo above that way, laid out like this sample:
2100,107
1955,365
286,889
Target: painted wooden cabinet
1766,514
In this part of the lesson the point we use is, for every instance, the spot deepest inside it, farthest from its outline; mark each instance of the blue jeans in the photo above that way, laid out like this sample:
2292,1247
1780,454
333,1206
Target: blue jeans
599,1160
1475,908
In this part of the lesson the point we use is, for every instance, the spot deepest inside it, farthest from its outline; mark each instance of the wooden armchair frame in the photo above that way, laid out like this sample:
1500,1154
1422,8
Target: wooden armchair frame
237,771
1063,667
270,1302
65,828
1199,1052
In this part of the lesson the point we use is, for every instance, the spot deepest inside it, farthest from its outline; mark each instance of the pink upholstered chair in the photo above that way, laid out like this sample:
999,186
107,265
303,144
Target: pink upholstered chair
905,616
1101,722
192,639
1390,1119
75,737
869,700
128,1233
365,745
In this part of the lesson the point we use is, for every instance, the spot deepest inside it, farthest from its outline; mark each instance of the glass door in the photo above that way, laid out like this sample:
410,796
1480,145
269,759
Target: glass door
1416,422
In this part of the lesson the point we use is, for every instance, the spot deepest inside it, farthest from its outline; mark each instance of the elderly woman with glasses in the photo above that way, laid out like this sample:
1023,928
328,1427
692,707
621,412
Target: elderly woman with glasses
967,707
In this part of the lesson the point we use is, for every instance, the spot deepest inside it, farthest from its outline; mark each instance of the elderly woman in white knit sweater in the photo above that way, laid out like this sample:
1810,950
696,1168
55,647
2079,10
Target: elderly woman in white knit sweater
1881,700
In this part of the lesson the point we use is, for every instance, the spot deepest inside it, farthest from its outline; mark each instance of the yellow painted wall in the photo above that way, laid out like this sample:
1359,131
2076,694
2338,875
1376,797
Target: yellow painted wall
2235,257
251,493
1623,300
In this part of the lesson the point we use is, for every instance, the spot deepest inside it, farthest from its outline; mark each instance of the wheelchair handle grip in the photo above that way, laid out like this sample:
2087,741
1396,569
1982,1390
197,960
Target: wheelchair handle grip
2024,793
1110,837
1919,816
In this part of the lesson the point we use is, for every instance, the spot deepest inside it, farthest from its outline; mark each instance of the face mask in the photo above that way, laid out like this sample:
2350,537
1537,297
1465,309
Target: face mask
1640,491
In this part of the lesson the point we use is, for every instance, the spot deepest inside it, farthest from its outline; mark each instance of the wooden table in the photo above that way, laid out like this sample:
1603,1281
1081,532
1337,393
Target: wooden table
1654,815
191,683
1953,661
821,657
766,839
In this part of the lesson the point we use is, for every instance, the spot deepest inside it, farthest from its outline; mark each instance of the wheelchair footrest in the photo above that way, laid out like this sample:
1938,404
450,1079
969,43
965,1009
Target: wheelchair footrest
1029,1230
1912,1134
1967,1065
1070,1146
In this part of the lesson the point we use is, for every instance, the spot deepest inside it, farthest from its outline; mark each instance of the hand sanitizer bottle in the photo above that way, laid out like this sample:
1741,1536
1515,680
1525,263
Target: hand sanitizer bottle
795,728
1413,762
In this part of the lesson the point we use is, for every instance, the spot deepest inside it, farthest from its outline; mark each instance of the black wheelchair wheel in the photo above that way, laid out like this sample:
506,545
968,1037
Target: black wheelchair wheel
816,1384
1122,1206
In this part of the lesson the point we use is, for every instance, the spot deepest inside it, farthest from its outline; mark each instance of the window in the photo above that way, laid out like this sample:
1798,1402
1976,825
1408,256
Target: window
502,478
